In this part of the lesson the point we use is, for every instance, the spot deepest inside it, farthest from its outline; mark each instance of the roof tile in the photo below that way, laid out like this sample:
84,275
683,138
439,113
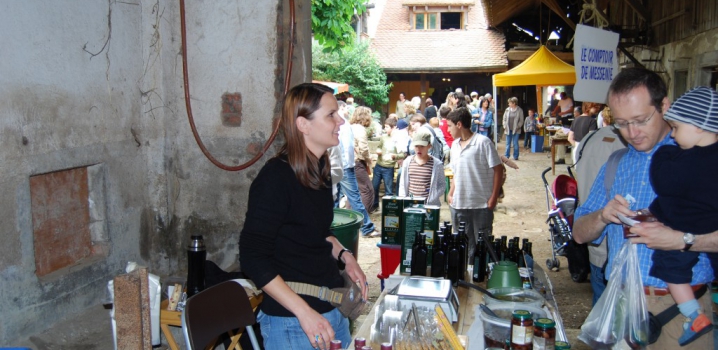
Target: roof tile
398,48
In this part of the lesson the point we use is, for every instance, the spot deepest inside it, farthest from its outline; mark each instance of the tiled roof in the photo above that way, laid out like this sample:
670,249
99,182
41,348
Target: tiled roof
438,2
400,49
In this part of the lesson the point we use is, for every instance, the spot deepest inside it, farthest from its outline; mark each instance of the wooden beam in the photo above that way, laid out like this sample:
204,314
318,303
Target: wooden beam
620,45
668,18
640,10
554,6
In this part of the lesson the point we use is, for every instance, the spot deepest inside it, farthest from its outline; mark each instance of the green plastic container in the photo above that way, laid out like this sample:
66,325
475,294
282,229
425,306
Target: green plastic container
346,225
505,274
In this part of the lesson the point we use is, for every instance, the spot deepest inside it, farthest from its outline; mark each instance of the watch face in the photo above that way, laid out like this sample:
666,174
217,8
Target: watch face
688,238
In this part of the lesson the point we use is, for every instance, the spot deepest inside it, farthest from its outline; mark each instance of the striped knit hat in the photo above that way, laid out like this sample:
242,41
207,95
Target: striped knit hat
698,107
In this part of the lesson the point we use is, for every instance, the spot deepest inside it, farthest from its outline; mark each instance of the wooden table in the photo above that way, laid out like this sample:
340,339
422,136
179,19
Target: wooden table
174,318
556,142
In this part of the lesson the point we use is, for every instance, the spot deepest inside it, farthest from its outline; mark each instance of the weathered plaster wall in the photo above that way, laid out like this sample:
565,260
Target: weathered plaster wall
692,54
100,83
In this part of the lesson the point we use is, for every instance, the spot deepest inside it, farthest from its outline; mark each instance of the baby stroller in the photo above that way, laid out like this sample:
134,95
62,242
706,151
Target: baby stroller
561,202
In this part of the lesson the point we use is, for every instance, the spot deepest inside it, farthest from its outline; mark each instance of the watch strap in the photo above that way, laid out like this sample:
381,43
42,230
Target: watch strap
340,263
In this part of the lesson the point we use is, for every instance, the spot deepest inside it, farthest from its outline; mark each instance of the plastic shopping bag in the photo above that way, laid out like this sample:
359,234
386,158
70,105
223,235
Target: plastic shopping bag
619,320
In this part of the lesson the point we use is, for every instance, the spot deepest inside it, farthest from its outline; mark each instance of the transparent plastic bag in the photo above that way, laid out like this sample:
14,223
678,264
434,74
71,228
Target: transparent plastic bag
352,304
620,317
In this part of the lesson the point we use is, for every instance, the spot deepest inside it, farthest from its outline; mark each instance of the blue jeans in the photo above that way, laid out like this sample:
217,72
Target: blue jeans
282,333
382,174
348,186
527,139
598,284
512,139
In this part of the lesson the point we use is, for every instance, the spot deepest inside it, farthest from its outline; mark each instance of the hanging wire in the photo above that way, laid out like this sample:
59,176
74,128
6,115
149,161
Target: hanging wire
185,75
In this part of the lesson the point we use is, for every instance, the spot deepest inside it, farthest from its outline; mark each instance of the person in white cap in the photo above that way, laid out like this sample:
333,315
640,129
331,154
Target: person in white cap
422,174
683,177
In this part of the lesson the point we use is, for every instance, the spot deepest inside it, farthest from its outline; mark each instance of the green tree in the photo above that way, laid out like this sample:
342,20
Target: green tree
331,22
355,65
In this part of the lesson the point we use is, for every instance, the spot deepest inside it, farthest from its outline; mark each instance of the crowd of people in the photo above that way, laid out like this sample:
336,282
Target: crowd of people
629,155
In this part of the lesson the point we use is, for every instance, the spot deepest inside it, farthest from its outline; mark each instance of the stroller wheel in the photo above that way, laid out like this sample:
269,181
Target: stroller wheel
553,264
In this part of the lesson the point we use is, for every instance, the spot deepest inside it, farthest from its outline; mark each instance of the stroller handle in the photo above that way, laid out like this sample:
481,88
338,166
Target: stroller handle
543,176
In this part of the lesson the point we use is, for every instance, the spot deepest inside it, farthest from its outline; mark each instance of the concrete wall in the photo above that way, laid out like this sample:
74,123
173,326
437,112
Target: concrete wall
693,55
99,84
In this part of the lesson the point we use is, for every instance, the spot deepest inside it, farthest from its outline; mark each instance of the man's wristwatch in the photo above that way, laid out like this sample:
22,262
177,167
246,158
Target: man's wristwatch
340,263
688,239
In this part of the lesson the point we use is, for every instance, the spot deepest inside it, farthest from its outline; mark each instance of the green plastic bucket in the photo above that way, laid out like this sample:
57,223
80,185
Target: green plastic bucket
346,225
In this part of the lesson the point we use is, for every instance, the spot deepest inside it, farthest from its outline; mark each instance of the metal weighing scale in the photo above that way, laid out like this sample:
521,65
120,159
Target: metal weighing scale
427,292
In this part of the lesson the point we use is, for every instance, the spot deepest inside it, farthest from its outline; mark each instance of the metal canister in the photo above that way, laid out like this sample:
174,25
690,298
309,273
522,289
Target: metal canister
196,257
359,342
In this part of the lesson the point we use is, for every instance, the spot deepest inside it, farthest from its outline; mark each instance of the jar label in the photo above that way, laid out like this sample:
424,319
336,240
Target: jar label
543,343
521,335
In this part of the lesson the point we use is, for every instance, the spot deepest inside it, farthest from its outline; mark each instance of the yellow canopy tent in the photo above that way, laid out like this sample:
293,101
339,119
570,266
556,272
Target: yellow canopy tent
541,69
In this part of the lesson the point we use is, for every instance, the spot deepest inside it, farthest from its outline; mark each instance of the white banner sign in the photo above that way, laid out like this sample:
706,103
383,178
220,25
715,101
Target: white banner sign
596,62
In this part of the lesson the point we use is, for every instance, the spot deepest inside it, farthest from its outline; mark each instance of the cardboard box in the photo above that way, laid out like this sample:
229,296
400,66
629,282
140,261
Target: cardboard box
413,221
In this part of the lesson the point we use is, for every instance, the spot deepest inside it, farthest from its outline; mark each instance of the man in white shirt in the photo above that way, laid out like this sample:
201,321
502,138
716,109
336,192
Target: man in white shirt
476,184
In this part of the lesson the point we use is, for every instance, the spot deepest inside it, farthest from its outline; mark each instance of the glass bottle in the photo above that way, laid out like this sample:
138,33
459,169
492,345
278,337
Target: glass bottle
438,262
510,252
453,260
479,271
504,247
463,251
419,253
196,257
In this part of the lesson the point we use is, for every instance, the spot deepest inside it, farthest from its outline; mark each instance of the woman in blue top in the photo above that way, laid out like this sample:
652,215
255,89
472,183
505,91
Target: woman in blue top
484,119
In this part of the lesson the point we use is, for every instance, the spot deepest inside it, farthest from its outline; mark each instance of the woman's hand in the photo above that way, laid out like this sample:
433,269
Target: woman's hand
356,274
318,330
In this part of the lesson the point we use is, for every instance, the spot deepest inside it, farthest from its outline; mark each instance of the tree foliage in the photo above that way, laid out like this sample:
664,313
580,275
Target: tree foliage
355,65
331,22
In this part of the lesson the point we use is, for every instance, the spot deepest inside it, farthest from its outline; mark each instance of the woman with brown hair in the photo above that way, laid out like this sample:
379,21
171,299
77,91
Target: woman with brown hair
287,233
360,121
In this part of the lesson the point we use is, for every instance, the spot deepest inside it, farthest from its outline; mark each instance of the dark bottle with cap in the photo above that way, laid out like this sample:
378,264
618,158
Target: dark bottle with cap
419,254
438,261
453,260
504,248
196,256
479,271
463,251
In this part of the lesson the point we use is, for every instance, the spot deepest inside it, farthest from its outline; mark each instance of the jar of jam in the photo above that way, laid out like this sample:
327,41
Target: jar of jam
562,345
522,330
544,334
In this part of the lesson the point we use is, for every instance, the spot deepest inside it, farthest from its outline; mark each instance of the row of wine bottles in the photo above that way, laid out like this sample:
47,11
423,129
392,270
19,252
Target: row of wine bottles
450,253
504,249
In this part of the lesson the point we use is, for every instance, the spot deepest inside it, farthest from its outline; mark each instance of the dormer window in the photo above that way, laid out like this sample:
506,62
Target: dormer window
425,21
438,14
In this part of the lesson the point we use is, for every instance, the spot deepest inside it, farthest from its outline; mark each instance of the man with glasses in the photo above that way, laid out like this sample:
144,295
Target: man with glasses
637,98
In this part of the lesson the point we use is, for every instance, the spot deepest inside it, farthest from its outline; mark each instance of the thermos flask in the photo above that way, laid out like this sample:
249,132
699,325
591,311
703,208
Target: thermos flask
196,256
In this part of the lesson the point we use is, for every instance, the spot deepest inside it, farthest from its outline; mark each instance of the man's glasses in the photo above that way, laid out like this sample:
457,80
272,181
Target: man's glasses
638,124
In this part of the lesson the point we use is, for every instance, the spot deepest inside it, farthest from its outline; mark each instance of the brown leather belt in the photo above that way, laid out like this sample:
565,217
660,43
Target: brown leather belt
659,292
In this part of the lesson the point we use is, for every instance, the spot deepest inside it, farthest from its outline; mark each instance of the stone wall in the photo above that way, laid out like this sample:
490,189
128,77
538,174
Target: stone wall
98,85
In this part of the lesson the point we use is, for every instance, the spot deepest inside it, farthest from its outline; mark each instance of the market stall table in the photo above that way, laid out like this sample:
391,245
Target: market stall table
468,300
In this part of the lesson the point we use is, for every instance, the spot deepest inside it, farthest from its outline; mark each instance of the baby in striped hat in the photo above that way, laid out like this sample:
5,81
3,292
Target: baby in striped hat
685,179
